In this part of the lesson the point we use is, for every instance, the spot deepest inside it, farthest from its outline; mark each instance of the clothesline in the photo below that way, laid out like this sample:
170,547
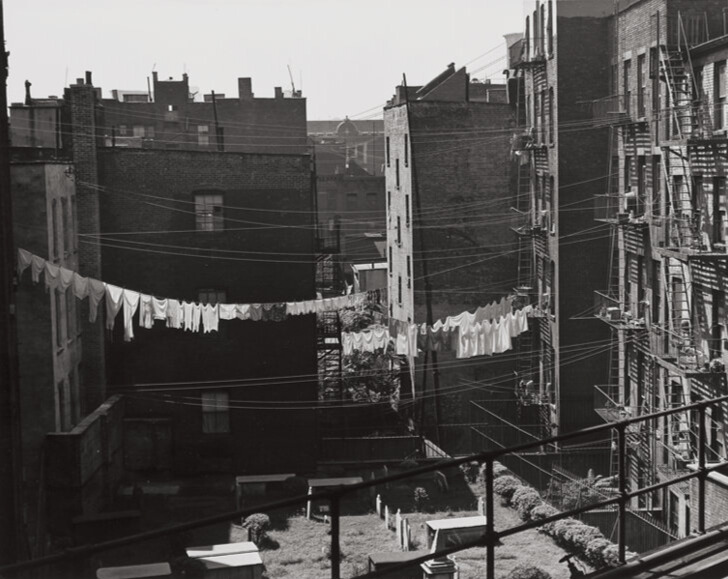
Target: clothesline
179,314
485,332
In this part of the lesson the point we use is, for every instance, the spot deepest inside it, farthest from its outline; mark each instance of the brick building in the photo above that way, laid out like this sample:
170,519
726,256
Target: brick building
562,162
666,204
448,180
195,224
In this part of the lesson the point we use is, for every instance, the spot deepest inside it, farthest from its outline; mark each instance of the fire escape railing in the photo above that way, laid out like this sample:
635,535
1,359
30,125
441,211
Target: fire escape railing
491,538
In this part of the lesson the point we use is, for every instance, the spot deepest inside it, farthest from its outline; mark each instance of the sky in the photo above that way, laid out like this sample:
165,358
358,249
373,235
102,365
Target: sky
346,55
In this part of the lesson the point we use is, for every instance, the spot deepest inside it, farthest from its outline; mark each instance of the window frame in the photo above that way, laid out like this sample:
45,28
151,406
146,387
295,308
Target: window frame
215,409
211,219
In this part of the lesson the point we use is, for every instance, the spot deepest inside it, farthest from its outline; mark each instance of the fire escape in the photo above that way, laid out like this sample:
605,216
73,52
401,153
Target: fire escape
534,392
328,325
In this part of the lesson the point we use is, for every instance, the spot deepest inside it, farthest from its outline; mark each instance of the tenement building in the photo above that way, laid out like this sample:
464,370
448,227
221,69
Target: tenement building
449,246
666,202
561,165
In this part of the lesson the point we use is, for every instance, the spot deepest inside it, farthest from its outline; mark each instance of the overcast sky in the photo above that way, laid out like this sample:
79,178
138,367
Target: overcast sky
348,54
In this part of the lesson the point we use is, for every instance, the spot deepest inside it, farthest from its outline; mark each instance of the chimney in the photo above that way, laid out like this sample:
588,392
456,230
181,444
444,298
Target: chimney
278,92
88,78
28,99
79,81
245,88
155,77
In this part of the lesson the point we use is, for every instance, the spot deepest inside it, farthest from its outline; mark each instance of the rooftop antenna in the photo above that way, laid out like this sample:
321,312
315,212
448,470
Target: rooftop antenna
293,86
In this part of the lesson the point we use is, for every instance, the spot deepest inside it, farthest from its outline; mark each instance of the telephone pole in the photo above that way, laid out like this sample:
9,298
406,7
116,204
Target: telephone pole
9,432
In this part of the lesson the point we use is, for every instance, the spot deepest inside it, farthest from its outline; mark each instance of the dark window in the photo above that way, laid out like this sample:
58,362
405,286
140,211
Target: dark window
409,271
406,150
390,259
352,202
399,230
641,85
550,28
641,184
208,212
396,164
55,230
719,88
211,296
399,290
389,199
59,299
656,185
388,152
551,116
406,210
626,87
215,411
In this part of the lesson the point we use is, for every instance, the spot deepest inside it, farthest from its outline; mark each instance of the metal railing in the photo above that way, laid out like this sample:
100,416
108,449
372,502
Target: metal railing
491,538
679,346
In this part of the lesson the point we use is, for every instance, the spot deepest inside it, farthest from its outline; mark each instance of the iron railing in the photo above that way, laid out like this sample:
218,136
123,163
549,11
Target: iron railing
490,539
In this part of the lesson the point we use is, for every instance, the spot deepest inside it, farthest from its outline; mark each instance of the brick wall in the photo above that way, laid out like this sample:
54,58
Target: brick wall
80,123
267,248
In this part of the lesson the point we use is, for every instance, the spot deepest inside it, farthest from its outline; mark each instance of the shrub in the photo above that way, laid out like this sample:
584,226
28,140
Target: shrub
498,471
543,511
594,553
560,528
525,499
524,571
257,525
422,499
577,537
470,471
505,486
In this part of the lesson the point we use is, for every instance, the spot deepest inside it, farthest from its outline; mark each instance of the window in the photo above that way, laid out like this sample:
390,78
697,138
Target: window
208,212
399,290
389,199
627,92
719,89
542,134
399,230
528,38
641,184
55,230
203,135
371,200
74,223
215,411
66,225
138,131
150,132
627,175
390,259
388,164
406,210
70,315
406,150
409,271
541,25
122,130
641,85
396,164
211,296
58,301
352,202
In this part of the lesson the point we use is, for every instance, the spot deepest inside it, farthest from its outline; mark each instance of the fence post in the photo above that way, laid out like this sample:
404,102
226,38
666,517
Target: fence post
335,546
622,442
489,519
701,469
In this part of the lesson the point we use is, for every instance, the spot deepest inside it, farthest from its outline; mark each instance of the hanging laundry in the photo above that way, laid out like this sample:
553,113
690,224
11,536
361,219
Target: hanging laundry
187,312
159,308
210,318
113,296
196,316
37,265
273,312
52,275
146,317
175,314
65,279
24,260
131,303
80,286
227,311
96,292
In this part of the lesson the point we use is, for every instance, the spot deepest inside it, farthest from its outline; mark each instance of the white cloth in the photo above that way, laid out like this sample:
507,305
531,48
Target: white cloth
146,315
131,303
113,300
80,286
174,314
52,275
227,311
210,318
96,292
24,260
37,265
65,278
159,308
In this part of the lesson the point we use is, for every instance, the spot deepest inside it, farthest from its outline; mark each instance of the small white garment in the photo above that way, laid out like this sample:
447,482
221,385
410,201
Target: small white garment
175,314
37,265
131,303
113,296
80,286
227,311
210,318
24,260
96,292
187,311
146,319
65,278
52,275
159,308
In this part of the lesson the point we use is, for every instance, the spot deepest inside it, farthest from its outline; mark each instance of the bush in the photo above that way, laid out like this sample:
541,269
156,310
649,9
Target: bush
505,486
422,499
257,525
594,553
542,511
524,571
577,537
525,499
498,471
470,471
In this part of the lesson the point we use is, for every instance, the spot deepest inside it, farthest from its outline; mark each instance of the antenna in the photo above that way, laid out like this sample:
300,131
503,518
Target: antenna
293,86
